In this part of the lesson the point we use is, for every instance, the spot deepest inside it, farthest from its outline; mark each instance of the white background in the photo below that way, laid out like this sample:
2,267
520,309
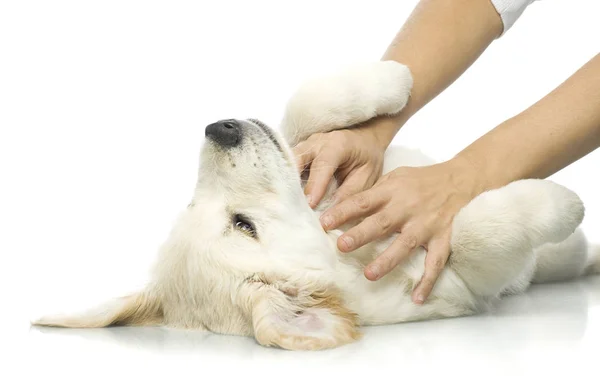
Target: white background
102,112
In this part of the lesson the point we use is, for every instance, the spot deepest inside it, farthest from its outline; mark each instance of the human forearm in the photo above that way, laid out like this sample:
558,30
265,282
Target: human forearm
438,42
419,204
556,131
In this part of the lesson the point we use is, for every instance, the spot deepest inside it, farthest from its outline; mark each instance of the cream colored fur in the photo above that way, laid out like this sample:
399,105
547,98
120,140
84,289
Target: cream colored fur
289,286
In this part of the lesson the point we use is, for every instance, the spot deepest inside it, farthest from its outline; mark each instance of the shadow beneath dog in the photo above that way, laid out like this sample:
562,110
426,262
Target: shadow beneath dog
547,314
168,340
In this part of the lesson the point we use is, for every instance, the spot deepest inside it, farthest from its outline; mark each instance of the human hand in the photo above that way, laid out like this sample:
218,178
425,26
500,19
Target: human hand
417,202
354,156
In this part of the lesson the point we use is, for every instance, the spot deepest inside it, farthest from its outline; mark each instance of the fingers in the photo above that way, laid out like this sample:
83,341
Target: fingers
353,207
304,155
376,226
356,181
435,260
392,256
322,169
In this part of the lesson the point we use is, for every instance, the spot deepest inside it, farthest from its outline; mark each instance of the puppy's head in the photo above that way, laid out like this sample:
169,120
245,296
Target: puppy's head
249,186
248,256
250,202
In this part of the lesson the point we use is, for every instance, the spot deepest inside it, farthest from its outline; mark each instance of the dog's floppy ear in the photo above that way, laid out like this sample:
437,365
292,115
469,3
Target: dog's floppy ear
312,317
134,310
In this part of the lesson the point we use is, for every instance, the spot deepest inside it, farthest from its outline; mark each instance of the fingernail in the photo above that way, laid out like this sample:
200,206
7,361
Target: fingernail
326,221
309,199
375,271
420,299
348,241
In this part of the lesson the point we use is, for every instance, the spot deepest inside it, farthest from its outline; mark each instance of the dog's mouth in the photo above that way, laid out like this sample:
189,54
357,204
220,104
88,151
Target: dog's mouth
249,143
283,151
269,133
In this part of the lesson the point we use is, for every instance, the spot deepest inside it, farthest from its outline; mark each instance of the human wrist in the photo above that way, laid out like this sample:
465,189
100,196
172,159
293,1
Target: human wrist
467,175
384,128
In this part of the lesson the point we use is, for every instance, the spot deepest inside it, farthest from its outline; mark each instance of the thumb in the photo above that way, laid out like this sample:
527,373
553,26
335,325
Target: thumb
357,181
303,155
321,172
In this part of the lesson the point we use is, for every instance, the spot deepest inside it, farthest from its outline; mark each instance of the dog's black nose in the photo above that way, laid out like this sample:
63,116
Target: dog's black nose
224,132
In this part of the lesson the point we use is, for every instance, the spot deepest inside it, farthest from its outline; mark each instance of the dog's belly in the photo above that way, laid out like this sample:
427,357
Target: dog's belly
388,300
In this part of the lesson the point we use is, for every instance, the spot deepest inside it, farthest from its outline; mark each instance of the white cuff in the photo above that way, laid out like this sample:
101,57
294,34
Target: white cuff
510,11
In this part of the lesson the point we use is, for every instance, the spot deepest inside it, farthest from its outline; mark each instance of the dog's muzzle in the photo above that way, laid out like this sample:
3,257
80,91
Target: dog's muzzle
226,133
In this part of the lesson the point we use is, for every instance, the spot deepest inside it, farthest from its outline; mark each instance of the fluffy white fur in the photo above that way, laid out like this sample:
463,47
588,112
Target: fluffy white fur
346,98
289,286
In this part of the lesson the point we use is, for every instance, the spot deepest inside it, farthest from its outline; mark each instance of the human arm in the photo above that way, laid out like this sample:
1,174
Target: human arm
420,203
438,42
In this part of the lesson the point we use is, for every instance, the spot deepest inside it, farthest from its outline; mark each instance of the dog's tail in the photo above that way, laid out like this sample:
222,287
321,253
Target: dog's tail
345,99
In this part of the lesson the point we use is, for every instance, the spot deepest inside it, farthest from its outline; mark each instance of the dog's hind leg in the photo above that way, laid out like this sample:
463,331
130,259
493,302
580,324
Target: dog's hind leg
569,259
494,236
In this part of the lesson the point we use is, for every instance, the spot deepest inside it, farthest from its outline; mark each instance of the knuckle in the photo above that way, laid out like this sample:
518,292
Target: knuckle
341,137
443,216
427,285
387,261
438,263
347,189
321,166
302,156
438,215
358,235
331,135
332,138
300,146
314,138
361,201
337,215
416,202
320,160
409,240
383,221
429,281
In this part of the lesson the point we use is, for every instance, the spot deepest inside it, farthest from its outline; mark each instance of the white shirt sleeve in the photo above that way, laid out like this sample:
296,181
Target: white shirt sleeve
510,11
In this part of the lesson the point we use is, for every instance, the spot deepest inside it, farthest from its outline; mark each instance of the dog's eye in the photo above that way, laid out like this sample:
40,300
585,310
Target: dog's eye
244,225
